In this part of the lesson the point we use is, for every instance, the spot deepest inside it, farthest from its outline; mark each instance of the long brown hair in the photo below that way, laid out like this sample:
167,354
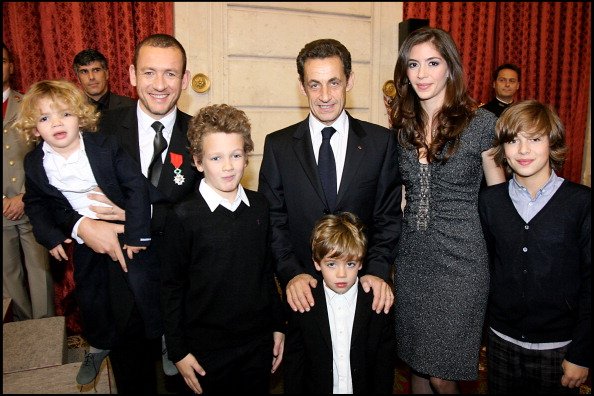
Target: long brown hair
409,120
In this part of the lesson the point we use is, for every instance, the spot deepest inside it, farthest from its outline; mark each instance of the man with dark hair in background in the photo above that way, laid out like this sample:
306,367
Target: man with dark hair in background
506,82
90,67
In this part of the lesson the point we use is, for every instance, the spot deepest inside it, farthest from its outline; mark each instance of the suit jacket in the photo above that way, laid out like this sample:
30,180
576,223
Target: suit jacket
123,124
15,149
371,188
53,217
308,361
116,101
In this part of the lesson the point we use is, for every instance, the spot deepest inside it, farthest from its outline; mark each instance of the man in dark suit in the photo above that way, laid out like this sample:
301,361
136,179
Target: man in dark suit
159,75
90,67
366,176
506,82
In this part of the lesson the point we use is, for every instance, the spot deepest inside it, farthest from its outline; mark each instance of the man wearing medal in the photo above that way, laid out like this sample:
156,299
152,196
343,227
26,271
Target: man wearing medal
159,75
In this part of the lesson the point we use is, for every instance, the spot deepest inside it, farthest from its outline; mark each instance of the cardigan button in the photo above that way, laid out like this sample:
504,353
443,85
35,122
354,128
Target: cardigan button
526,227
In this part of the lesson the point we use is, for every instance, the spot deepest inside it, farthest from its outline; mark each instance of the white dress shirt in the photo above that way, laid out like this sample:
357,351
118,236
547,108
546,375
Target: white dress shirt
338,141
341,315
146,136
74,178
213,199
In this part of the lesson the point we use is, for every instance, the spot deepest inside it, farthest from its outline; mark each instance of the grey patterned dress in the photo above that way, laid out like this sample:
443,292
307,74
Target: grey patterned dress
441,271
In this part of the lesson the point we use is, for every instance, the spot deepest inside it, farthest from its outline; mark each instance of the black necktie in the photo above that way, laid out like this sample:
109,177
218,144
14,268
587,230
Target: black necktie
159,144
327,167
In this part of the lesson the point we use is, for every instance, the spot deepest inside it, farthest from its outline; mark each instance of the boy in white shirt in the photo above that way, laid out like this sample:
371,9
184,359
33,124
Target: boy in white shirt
356,351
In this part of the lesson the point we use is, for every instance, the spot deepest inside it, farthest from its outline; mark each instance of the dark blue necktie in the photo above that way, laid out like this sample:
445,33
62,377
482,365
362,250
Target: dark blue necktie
327,167
159,144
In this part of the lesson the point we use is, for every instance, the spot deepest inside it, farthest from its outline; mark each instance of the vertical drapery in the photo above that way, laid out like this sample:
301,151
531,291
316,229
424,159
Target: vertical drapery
45,36
550,41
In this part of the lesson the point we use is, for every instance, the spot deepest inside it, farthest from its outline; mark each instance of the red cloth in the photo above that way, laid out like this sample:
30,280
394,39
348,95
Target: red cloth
4,106
64,299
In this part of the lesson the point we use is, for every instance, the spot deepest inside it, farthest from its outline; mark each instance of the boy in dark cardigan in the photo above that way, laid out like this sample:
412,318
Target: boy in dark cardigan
221,305
537,228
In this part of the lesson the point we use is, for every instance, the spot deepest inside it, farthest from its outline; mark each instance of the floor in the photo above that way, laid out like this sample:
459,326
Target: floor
169,385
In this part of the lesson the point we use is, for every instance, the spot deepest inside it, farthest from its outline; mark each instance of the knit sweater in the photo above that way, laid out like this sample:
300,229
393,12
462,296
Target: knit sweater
218,288
540,289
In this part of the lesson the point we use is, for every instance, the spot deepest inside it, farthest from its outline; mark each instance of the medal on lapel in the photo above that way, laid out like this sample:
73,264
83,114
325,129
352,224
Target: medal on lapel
176,161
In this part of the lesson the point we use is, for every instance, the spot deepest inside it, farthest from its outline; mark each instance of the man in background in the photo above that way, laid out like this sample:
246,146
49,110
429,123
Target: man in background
506,82
18,243
90,67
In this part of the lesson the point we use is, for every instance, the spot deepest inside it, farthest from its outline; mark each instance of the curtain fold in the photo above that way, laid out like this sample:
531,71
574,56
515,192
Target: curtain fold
549,41
45,36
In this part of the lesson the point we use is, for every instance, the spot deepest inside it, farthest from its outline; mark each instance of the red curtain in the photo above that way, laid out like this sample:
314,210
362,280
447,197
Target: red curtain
549,41
44,37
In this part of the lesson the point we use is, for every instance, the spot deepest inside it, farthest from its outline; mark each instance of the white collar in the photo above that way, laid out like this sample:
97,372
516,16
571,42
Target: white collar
213,199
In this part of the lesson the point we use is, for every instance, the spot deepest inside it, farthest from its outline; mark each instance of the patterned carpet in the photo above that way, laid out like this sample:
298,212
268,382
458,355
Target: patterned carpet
402,380
401,377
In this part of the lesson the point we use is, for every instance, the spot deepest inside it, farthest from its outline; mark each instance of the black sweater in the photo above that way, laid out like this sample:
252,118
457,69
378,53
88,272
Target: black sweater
218,288
540,287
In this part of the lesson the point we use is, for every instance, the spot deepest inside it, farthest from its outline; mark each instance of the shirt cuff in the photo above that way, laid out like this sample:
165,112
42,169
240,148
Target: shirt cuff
75,231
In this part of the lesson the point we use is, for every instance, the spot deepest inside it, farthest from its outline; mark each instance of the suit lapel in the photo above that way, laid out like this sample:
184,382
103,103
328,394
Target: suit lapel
38,175
320,312
129,131
362,312
354,157
100,162
178,145
303,148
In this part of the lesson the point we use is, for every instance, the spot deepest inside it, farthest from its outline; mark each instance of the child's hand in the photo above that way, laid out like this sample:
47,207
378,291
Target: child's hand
133,249
188,367
58,252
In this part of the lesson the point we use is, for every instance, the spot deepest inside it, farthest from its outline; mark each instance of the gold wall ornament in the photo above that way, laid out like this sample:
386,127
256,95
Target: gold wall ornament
200,83
389,89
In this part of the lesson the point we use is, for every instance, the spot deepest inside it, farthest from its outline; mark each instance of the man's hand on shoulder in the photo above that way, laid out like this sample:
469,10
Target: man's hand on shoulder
298,292
383,297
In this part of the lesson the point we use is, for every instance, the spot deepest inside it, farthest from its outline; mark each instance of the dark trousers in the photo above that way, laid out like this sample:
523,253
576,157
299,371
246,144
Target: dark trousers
105,313
237,370
515,370
91,278
135,299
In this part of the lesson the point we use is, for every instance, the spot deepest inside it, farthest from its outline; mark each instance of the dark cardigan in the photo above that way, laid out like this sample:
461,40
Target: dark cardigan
218,287
540,288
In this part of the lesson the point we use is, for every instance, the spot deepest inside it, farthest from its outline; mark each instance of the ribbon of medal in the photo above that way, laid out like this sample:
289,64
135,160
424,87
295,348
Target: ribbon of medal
176,161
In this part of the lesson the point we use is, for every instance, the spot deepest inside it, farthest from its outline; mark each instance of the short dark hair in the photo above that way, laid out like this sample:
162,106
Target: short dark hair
324,48
87,56
161,40
509,66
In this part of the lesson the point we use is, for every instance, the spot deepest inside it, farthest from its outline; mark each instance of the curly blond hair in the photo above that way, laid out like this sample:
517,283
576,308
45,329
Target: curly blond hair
61,91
